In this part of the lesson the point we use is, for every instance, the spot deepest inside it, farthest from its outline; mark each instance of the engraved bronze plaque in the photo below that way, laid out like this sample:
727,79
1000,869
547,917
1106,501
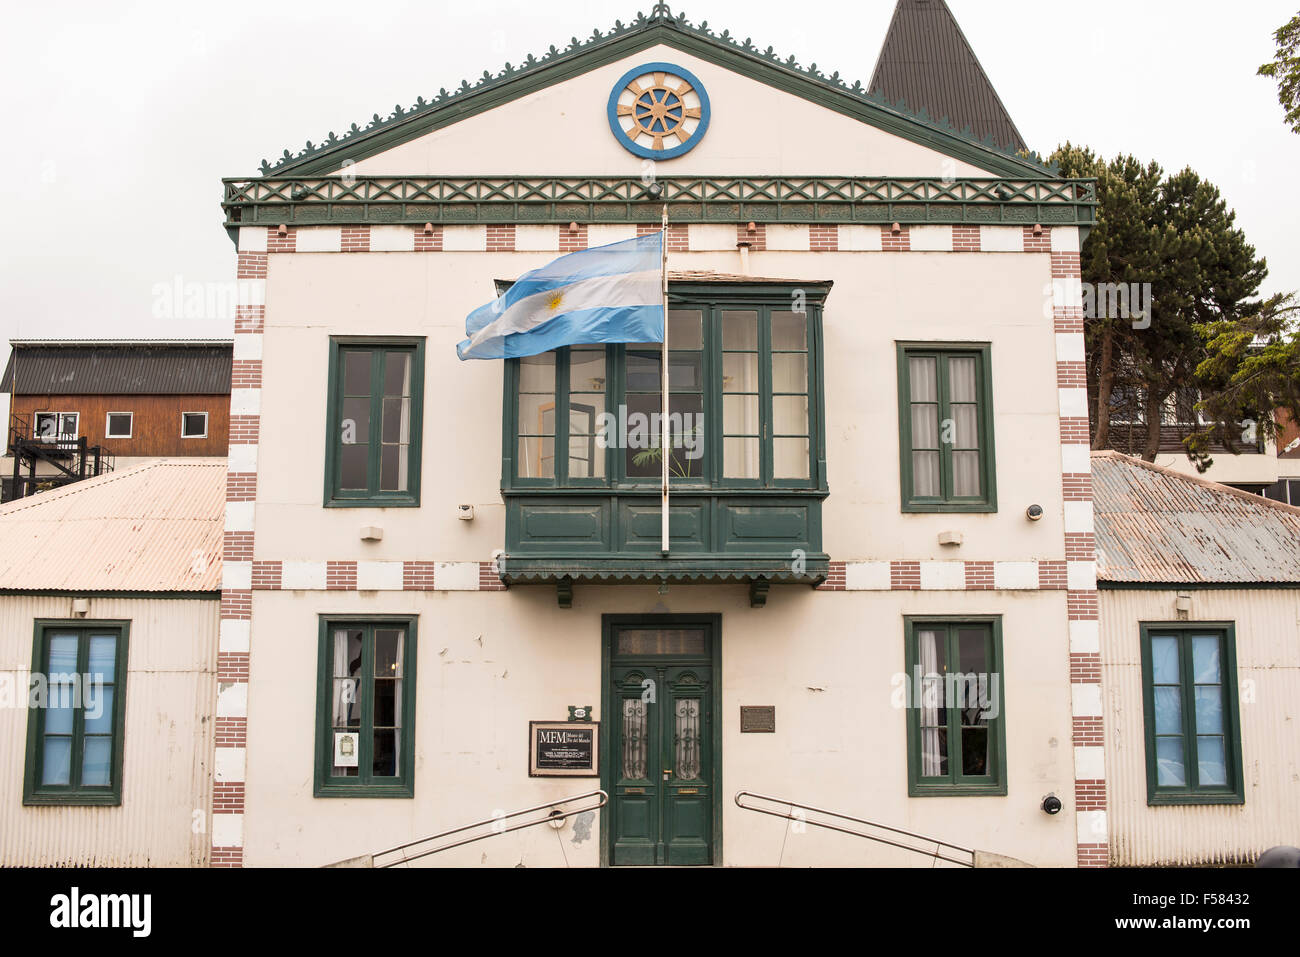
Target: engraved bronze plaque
758,719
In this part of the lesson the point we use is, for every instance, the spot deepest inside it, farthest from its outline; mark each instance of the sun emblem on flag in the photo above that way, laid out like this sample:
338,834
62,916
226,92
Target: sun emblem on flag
554,300
658,111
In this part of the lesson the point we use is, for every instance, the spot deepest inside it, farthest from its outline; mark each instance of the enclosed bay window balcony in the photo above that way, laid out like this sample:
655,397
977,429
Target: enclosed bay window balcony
582,454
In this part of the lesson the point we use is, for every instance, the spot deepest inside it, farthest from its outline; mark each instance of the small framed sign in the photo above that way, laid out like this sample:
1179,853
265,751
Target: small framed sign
564,749
345,749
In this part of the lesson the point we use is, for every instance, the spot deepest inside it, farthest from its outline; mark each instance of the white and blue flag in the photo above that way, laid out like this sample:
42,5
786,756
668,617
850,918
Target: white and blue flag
611,293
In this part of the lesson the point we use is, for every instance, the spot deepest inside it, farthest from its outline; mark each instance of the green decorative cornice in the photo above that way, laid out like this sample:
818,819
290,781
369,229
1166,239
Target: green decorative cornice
334,200
555,65
672,571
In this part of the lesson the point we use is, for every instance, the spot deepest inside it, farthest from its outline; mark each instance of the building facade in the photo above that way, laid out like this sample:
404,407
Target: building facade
890,487
85,408
109,611
1201,670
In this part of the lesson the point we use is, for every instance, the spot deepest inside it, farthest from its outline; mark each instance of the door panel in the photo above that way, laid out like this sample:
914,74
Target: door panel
661,780
636,789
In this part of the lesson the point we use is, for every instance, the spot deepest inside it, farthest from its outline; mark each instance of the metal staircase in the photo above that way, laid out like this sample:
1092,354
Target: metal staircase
64,458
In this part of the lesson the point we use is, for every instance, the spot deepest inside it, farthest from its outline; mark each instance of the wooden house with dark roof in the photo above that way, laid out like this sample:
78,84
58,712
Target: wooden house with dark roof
80,408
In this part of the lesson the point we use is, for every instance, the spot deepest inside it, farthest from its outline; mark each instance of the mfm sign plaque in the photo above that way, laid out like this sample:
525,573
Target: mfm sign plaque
563,749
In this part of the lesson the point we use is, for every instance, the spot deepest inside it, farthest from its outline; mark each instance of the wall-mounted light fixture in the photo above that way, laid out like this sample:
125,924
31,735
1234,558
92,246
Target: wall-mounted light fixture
1034,513
1052,804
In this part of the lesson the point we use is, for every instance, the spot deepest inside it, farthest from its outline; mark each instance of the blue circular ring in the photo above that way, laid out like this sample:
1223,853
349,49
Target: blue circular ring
646,151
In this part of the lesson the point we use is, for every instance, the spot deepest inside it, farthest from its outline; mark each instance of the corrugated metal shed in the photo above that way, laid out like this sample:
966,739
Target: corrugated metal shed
1155,525
927,62
155,528
118,368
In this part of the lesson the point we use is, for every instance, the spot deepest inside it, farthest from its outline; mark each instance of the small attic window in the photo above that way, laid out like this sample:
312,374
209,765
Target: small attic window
194,425
119,425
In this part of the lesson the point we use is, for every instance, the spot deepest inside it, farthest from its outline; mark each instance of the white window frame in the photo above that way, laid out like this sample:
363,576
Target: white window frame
130,432
60,435
205,425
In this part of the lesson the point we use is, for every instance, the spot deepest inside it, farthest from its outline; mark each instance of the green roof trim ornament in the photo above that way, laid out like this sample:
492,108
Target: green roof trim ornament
556,65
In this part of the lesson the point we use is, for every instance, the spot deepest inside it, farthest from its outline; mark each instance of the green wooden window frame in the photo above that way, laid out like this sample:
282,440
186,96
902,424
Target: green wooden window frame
954,782
365,783
83,725
335,495
1189,728
712,303
947,500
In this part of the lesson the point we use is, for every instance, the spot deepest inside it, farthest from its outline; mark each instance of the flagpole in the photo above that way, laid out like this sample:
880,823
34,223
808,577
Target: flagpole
663,440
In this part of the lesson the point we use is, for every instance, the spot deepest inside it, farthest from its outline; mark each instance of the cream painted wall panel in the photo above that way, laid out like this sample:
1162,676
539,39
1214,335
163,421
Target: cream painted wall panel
877,299
1264,469
1268,671
827,661
167,764
573,112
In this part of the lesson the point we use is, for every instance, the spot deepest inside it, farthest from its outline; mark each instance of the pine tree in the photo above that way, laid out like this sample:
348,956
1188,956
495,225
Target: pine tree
1285,68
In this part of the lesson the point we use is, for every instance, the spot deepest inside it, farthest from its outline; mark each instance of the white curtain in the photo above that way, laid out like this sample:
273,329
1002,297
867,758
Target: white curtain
924,394
399,671
931,700
346,699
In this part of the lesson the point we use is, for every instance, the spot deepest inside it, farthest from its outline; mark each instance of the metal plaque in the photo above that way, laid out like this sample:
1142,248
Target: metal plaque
758,719
564,749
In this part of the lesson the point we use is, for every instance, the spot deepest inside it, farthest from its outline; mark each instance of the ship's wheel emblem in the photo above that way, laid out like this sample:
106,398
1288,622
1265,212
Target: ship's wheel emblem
658,111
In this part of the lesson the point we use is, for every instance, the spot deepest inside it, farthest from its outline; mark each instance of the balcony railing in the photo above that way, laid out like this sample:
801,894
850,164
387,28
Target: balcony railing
333,200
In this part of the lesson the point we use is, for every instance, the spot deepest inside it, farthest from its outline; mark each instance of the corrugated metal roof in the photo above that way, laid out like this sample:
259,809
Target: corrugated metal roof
118,368
157,527
927,62
1156,525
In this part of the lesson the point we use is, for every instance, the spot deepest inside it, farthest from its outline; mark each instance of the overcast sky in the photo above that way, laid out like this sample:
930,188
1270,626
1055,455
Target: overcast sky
123,117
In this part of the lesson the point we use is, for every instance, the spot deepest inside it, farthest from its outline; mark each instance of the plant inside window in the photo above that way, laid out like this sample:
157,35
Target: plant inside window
742,402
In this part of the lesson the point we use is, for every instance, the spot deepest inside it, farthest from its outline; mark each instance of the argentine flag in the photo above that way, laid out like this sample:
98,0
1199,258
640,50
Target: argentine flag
608,294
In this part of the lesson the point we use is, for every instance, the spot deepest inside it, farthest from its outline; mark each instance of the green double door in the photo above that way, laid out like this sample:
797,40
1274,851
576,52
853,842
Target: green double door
660,708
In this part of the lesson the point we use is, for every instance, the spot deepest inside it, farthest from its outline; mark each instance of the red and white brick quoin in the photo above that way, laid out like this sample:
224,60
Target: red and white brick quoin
258,241
242,575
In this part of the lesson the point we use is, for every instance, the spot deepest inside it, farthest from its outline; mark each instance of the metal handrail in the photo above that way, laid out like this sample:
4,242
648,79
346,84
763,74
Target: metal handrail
792,805
552,806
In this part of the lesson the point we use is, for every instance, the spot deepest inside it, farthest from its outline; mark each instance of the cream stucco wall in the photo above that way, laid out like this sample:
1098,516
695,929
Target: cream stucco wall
1268,673
878,299
755,130
490,662
1235,469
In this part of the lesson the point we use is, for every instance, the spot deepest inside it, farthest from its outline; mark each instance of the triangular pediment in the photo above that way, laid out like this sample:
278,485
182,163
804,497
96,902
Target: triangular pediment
765,107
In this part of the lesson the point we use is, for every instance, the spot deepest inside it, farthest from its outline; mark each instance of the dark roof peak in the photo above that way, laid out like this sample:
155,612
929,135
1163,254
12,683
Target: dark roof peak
927,62
118,368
